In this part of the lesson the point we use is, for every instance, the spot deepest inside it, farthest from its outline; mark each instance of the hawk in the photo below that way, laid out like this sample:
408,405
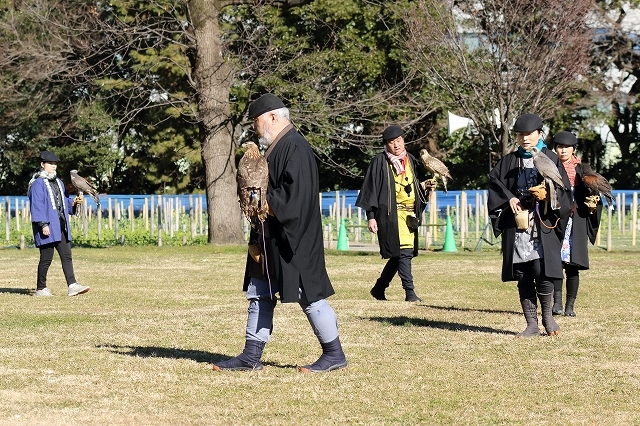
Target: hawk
435,167
549,171
596,183
252,179
83,186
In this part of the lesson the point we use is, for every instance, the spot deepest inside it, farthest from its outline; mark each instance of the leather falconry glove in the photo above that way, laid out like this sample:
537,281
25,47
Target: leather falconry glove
592,202
539,192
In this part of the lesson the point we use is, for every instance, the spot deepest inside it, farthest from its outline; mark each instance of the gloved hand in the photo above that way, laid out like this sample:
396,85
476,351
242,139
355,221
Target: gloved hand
429,185
592,202
539,192
254,252
78,200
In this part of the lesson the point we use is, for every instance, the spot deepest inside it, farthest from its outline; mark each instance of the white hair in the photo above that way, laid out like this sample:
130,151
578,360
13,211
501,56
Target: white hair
281,112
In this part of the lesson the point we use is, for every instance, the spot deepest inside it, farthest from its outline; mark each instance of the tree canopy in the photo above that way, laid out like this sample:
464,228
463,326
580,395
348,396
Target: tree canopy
151,96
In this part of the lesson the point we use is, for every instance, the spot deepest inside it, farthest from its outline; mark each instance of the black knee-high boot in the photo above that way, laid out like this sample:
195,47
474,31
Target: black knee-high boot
249,359
530,311
573,282
332,358
551,327
557,297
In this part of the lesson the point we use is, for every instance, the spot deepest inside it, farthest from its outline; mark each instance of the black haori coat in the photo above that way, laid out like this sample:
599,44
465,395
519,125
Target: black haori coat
585,224
378,198
294,245
503,181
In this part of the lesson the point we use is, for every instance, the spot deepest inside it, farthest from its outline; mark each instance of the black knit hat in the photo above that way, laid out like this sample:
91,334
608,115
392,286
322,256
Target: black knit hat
565,138
392,132
265,103
48,156
527,123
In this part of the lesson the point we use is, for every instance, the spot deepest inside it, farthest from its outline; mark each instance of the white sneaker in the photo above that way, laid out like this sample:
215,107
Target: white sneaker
43,292
75,289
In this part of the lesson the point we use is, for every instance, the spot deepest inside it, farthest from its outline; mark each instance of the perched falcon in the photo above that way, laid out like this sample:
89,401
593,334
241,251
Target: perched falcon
83,186
549,171
252,179
435,167
596,183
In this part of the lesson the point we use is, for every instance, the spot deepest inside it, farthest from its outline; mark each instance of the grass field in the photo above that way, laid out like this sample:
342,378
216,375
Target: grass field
137,349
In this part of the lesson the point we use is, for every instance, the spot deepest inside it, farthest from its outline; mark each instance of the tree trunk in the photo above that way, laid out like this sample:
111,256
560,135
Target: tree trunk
213,77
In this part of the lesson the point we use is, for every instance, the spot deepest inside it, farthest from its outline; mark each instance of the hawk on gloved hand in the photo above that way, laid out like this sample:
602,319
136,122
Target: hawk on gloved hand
549,171
435,167
596,183
83,186
252,179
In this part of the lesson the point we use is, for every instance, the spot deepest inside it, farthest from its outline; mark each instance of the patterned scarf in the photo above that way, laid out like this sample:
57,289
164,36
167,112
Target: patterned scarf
570,167
399,161
527,154
41,174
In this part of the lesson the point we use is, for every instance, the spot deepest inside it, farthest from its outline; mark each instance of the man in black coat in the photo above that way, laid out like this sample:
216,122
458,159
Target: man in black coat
531,254
287,255
394,199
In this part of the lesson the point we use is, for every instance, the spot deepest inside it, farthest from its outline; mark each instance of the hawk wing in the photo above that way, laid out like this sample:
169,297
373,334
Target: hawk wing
546,167
436,167
549,171
83,186
252,179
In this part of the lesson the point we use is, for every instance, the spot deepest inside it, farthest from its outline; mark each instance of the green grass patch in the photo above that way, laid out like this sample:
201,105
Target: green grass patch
137,349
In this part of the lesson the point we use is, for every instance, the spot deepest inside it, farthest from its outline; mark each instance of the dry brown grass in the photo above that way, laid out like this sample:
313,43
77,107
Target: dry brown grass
137,349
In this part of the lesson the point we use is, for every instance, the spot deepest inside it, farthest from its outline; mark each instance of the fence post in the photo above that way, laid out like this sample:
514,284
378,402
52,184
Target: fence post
610,217
634,218
17,215
99,217
110,214
7,218
117,220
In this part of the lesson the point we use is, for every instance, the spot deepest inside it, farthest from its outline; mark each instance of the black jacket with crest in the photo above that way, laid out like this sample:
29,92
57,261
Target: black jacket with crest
377,198
293,239
503,185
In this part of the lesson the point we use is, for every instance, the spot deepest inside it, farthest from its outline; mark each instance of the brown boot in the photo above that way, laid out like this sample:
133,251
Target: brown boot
530,310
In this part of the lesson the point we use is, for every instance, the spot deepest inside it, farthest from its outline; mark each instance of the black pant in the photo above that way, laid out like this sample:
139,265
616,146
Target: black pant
46,256
401,265
532,279
573,281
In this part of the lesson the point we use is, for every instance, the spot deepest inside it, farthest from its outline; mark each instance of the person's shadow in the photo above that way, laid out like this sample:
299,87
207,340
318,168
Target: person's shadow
23,291
443,325
175,353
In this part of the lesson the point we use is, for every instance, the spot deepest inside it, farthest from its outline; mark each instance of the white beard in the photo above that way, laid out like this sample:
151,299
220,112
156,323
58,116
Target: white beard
266,139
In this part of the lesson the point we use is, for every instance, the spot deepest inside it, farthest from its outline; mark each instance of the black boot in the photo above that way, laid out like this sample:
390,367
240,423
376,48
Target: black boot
530,311
568,308
557,299
248,360
332,358
551,327
411,296
377,291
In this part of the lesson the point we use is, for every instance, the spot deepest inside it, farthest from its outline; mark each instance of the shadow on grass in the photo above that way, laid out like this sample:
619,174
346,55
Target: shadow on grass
23,291
176,353
487,311
444,325
160,352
